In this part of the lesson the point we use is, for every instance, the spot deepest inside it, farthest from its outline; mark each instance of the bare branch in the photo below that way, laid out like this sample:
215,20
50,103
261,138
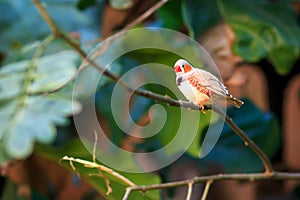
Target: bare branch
146,14
190,190
46,17
206,189
100,173
95,146
127,193
106,181
220,177
99,167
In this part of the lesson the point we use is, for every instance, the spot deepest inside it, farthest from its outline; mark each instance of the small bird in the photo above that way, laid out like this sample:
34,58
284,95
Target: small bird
200,86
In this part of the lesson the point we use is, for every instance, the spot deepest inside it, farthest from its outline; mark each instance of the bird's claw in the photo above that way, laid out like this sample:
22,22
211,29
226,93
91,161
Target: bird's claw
202,109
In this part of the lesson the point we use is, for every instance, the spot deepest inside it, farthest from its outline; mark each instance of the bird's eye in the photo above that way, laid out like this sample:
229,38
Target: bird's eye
183,66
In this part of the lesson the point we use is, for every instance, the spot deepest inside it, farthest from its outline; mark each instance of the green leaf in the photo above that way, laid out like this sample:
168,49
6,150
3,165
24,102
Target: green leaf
27,51
26,118
10,86
72,148
6,113
231,153
52,72
199,16
14,17
264,29
248,48
84,4
170,131
61,66
170,14
34,122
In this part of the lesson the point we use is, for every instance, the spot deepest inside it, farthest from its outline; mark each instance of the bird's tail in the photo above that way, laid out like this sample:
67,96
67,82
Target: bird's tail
234,101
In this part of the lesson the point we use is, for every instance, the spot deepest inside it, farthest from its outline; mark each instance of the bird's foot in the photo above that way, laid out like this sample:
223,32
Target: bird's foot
202,109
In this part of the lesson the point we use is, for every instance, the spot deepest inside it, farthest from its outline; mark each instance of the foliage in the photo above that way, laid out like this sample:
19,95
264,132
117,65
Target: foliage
272,33
198,24
26,115
14,18
264,29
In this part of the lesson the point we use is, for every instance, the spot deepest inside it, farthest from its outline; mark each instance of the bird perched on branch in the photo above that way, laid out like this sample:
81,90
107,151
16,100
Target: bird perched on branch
201,87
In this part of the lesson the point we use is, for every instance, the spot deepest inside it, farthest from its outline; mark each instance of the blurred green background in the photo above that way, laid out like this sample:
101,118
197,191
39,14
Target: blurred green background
36,128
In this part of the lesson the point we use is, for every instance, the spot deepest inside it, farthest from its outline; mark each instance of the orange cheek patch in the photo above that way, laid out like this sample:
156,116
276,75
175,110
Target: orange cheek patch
187,68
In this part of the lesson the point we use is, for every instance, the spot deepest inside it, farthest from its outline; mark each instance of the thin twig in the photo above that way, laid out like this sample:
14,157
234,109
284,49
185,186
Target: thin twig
95,146
74,168
221,177
206,189
106,181
100,173
46,17
127,193
99,167
146,14
190,190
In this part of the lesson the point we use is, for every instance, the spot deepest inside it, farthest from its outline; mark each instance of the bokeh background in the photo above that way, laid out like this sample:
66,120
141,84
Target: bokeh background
255,44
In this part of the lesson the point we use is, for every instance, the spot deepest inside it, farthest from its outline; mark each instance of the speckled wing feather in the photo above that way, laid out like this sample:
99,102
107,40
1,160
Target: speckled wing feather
216,87
211,82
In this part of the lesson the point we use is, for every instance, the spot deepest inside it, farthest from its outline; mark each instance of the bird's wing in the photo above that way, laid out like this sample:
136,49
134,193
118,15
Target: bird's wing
211,82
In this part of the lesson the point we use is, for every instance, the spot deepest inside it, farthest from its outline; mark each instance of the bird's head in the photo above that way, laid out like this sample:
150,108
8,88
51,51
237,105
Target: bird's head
182,66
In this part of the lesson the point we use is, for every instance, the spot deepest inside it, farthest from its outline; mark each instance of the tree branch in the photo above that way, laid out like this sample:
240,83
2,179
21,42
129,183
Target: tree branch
146,14
46,17
127,193
220,177
59,34
99,167
206,189
190,190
